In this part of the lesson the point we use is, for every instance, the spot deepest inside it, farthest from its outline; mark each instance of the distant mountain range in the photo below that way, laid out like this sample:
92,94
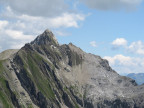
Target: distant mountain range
139,78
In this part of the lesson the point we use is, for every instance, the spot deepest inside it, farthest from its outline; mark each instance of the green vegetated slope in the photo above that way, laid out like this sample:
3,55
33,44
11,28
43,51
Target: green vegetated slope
6,95
37,76
32,62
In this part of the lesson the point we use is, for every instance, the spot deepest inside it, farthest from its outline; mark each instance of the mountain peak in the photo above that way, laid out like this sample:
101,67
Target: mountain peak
46,38
47,31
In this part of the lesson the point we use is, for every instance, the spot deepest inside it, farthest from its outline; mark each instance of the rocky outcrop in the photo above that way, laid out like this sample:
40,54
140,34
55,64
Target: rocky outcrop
46,38
44,74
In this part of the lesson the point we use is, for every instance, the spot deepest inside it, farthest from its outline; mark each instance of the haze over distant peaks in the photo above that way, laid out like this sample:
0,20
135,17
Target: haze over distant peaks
139,77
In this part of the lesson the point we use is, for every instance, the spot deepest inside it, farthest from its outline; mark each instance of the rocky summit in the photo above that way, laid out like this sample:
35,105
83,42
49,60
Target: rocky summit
45,74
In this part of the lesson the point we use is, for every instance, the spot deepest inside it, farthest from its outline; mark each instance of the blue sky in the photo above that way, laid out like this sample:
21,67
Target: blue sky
112,29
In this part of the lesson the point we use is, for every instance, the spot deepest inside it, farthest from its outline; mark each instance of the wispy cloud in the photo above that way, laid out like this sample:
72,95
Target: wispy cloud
119,59
0,48
45,8
136,47
3,24
112,4
126,64
119,42
93,44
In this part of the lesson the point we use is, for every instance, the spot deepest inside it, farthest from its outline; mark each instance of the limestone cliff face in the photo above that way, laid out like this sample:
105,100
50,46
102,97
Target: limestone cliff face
44,74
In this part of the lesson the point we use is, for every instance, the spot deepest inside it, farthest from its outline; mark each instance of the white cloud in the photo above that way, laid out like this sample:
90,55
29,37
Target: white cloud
126,64
17,45
112,4
10,38
66,20
131,1
122,60
93,44
26,28
3,24
136,47
0,49
24,21
62,33
50,8
18,35
119,42
46,8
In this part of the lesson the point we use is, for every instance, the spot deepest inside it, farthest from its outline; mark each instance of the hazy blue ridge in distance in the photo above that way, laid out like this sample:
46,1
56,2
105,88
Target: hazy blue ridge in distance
139,77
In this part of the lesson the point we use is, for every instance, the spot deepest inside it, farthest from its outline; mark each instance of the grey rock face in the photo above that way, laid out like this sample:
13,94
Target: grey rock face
7,54
63,76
